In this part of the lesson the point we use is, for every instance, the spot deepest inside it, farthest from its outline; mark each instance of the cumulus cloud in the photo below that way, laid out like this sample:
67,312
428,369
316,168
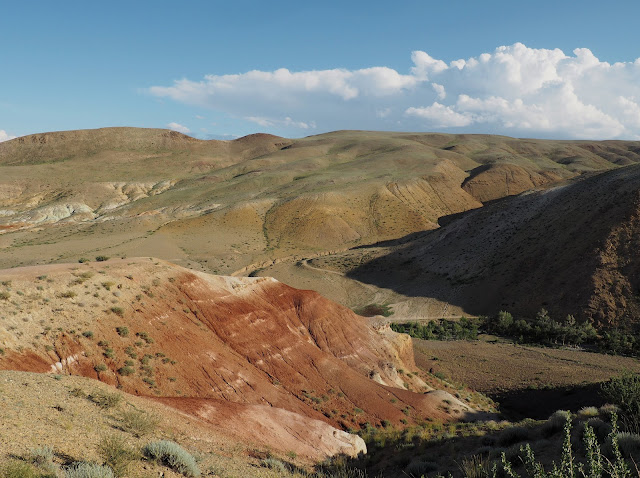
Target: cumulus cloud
179,128
513,90
4,136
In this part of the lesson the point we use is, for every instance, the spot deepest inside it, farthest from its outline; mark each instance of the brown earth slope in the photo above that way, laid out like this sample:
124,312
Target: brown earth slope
571,249
221,206
251,356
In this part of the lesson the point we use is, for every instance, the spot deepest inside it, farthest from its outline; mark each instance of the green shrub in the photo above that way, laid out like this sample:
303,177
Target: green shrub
172,455
82,260
100,367
69,294
138,423
126,371
4,295
274,464
624,391
119,311
122,331
17,469
106,400
88,334
88,470
116,454
102,258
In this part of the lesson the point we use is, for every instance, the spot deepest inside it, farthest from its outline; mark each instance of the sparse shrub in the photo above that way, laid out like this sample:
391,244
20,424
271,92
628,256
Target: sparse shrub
42,458
116,454
555,423
512,435
88,470
122,331
100,367
17,469
69,294
4,295
108,285
588,412
119,311
126,371
88,334
103,343
82,260
274,464
109,353
102,258
138,423
172,455
106,400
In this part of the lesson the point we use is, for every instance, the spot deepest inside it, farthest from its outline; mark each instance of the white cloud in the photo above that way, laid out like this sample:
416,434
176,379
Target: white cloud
200,117
513,90
4,136
441,116
179,128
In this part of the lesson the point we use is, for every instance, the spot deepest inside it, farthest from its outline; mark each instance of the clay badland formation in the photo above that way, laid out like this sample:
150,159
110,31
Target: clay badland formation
429,224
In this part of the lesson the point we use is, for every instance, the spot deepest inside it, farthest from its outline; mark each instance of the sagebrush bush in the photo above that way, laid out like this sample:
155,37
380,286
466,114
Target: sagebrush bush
88,470
274,464
555,423
172,455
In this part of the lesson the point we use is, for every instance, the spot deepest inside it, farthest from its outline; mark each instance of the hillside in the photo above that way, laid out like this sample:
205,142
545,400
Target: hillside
569,249
254,358
227,206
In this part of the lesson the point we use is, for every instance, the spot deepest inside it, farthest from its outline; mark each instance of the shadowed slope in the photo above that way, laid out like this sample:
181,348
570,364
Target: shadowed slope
570,249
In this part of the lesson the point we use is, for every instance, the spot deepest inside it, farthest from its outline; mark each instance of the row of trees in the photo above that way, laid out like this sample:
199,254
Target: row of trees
541,329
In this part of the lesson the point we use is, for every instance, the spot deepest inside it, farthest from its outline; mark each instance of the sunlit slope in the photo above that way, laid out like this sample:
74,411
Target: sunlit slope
220,206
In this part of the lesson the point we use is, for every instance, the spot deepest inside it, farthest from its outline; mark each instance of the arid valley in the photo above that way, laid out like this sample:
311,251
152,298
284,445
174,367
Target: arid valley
243,300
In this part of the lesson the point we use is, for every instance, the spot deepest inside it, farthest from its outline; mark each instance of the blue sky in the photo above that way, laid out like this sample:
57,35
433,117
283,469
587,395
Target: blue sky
224,69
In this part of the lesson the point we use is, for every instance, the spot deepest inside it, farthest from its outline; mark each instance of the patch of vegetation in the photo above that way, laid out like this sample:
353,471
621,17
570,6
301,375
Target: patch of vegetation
172,455
126,370
4,295
116,454
119,311
122,331
138,423
371,310
88,334
463,329
106,400
102,258
17,469
69,294
88,470
624,391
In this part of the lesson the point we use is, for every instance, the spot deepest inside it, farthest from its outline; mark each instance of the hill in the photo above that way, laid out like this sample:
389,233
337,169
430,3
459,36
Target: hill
250,357
569,249
128,191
